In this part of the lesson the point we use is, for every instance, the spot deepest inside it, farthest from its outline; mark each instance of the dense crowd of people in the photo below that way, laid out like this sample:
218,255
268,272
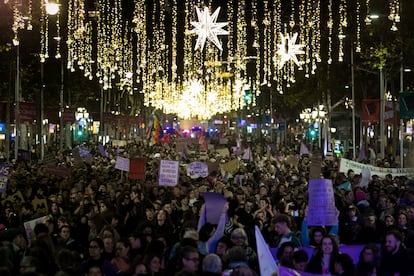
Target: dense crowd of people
97,221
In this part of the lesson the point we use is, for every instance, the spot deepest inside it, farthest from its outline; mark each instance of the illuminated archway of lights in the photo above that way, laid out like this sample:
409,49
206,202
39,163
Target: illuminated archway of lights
124,55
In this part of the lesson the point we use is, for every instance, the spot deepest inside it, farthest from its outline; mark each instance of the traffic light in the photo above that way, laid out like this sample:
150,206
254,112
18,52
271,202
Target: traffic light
312,133
248,97
80,132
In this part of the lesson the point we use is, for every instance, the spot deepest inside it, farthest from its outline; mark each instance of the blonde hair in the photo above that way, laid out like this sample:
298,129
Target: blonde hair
239,231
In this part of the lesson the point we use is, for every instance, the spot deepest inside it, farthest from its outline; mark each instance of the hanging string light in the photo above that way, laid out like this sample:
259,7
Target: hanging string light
330,29
166,81
368,19
58,37
19,18
394,15
358,24
343,23
44,33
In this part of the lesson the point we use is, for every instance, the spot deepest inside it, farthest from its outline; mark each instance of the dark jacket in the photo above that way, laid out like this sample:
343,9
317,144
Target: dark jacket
396,263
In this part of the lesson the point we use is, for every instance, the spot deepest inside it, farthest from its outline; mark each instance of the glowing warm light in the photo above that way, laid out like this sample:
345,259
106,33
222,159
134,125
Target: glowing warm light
288,49
52,8
208,29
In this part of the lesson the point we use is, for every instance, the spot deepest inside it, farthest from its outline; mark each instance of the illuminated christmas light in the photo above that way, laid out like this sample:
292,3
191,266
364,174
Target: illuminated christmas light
207,28
288,49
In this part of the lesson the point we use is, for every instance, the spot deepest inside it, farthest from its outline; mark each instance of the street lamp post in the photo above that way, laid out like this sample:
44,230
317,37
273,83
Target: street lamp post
42,88
61,108
353,104
382,109
17,106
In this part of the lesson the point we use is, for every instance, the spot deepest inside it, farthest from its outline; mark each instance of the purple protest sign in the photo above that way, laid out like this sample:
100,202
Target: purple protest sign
214,203
4,177
322,210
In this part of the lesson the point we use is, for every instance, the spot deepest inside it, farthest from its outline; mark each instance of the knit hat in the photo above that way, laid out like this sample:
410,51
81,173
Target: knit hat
359,195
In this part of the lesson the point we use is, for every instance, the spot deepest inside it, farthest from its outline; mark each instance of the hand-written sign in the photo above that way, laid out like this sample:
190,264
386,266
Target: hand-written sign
197,169
168,173
322,210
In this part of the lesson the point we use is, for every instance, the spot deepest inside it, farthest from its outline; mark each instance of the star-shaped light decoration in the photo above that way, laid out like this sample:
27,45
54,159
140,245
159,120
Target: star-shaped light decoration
208,28
288,49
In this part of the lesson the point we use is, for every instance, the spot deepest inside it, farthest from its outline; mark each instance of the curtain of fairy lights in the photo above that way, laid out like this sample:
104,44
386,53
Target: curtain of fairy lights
174,77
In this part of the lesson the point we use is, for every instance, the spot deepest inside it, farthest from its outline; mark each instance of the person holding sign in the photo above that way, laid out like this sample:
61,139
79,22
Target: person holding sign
209,234
316,232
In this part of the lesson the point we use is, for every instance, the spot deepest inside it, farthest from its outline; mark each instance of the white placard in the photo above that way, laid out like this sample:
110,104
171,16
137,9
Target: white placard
168,173
197,169
122,164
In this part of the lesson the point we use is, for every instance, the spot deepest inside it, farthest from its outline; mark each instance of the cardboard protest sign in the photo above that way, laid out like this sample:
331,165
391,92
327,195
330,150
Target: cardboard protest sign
119,143
4,177
122,164
169,171
197,169
137,168
322,210
40,205
231,166
223,152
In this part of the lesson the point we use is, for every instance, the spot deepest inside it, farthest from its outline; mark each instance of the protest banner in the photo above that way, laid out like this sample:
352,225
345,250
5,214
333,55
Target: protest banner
4,177
168,175
59,171
137,168
197,169
322,210
347,164
49,158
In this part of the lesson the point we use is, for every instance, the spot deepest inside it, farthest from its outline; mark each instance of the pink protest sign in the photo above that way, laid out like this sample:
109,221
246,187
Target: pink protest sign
322,210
